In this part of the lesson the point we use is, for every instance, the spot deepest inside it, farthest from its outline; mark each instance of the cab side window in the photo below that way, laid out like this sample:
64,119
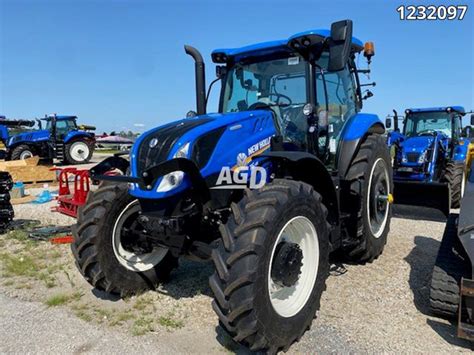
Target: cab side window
341,94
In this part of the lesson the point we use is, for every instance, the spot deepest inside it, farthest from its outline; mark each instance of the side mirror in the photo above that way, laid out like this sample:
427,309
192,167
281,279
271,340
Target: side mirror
468,132
472,119
221,71
340,45
388,122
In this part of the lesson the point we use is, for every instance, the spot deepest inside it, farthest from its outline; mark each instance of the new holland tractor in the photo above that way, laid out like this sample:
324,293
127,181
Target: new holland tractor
287,171
61,138
430,157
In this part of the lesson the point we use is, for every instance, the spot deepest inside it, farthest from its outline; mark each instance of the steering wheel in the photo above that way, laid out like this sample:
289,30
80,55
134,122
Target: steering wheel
259,106
278,95
427,132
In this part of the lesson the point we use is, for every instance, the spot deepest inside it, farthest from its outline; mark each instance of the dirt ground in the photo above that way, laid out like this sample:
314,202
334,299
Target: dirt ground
379,307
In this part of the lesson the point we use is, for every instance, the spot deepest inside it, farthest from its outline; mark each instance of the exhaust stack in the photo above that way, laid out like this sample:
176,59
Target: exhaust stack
200,79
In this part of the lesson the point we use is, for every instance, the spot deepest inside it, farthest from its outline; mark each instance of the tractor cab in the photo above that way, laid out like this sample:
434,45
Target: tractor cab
309,96
60,126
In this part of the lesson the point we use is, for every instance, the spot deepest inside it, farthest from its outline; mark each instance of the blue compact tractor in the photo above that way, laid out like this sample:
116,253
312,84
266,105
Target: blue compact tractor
430,157
61,138
286,171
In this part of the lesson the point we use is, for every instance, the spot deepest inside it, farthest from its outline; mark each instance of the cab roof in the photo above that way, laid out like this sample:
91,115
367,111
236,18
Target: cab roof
265,48
458,109
60,118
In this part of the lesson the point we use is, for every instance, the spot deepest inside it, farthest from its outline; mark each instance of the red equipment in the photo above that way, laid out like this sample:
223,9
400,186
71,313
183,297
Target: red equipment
74,185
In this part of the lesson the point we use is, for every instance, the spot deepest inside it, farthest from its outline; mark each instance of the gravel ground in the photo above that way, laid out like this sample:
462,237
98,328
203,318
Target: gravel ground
378,307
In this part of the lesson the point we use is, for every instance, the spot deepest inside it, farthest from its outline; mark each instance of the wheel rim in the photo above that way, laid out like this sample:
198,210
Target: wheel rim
79,151
130,260
26,154
377,202
289,300
463,183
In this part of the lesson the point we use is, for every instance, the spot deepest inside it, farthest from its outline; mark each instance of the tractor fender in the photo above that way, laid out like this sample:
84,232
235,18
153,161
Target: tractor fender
308,168
460,151
356,129
75,135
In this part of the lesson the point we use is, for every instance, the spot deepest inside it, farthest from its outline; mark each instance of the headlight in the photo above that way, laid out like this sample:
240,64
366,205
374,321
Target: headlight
422,157
174,179
404,159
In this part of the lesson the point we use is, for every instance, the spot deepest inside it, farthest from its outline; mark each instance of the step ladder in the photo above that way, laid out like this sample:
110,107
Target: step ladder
59,151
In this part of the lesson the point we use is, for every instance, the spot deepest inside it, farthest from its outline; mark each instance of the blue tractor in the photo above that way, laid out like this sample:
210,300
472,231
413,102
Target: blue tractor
286,171
61,138
430,157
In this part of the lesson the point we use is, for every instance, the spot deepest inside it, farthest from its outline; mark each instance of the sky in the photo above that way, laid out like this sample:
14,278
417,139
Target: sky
120,65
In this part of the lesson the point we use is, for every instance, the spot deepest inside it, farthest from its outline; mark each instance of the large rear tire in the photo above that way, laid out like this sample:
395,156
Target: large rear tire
272,265
370,178
451,265
78,152
456,177
102,245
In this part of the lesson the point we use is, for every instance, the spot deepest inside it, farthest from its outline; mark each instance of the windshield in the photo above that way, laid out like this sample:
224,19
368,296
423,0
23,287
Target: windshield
64,125
428,123
280,84
276,82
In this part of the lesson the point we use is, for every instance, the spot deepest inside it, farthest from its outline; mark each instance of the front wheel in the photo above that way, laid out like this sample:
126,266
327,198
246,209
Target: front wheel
107,246
78,152
272,265
22,152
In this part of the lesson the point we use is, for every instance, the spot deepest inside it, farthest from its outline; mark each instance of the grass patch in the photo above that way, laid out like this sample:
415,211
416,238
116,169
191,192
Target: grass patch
22,265
84,315
58,300
18,234
121,318
142,303
63,298
142,326
169,322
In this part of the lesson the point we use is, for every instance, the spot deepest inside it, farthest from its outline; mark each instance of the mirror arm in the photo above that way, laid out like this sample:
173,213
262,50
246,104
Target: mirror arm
210,87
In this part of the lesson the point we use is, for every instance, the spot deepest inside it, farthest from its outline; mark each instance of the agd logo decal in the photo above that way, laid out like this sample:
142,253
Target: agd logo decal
241,176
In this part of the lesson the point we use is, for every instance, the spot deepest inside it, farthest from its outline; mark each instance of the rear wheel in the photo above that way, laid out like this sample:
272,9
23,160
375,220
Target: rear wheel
370,177
22,152
106,249
451,265
456,177
272,265
78,152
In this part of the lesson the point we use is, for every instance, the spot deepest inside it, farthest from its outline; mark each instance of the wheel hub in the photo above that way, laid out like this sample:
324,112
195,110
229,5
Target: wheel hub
287,263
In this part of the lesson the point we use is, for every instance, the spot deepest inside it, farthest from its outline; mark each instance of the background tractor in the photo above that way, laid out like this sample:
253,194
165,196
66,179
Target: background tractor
287,171
61,138
429,157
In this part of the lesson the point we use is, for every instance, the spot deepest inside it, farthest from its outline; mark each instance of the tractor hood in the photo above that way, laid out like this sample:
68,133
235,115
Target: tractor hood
417,144
31,137
211,141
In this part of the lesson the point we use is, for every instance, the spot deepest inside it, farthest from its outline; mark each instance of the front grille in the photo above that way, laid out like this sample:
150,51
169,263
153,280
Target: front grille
413,157
167,137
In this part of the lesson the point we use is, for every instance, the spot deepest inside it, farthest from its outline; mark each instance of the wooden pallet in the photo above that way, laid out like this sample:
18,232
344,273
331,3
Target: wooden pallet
29,172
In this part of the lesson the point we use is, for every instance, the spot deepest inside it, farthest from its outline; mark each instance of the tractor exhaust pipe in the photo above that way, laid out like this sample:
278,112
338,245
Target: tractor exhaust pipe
395,120
200,79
